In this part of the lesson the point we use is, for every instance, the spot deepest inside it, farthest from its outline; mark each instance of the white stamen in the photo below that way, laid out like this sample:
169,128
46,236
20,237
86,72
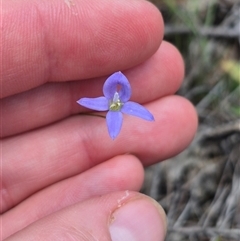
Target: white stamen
116,97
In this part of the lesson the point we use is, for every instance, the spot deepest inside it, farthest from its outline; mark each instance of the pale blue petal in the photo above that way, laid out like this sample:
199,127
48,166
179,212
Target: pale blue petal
99,104
133,108
117,82
114,123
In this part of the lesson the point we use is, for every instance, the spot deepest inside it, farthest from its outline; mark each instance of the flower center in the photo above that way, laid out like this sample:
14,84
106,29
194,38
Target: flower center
115,104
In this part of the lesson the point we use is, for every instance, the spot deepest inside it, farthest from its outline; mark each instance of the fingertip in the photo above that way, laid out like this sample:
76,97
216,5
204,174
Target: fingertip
161,213
189,115
173,64
131,166
181,120
124,172
139,219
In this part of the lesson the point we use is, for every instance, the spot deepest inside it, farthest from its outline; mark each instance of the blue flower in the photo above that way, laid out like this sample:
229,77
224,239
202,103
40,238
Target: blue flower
117,92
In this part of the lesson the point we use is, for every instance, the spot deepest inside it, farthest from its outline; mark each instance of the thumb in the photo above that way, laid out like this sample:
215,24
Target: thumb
127,216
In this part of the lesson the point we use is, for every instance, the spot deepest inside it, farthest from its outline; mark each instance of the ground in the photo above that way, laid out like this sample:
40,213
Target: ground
200,188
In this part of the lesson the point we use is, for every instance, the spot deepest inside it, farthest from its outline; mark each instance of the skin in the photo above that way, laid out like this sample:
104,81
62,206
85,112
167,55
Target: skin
56,161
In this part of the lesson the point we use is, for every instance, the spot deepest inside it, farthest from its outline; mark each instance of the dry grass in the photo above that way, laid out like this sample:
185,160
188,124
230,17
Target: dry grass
200,188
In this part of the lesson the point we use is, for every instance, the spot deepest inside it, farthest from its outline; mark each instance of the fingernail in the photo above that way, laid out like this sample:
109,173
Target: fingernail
138,220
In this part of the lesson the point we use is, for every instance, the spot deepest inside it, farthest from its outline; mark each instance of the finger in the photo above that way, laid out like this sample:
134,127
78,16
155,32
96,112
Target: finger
159,76
113,217
120,173
45,41
68,148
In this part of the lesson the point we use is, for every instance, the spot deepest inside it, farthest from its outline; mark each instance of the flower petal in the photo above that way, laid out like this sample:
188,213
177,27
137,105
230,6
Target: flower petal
117,82
100,103
133,108
114,123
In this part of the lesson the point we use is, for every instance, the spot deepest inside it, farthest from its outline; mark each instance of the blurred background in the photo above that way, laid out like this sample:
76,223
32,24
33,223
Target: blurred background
200,188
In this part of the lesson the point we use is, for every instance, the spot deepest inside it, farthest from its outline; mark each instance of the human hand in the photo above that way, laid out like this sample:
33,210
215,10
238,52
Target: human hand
63,177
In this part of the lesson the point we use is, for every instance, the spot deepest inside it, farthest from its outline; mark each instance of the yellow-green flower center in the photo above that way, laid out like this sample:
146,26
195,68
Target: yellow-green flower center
115,104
